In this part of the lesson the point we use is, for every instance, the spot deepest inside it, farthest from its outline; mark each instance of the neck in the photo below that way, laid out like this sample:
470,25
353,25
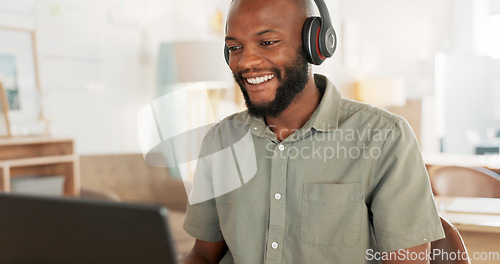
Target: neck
297,113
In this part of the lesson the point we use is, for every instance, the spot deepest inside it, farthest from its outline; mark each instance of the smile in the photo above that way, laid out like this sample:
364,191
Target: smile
259,80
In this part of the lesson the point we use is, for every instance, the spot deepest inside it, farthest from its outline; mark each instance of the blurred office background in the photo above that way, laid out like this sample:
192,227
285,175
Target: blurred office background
100,62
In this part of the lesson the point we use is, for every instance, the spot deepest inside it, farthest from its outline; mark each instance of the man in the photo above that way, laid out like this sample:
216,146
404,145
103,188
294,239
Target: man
337,181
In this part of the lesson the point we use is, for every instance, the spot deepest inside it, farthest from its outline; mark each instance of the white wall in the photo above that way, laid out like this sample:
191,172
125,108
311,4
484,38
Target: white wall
97,61
390,38
470,80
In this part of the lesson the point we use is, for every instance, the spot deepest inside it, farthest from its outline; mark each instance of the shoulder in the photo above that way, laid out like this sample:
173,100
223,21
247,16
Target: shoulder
354,113
239,117
233,123
231,126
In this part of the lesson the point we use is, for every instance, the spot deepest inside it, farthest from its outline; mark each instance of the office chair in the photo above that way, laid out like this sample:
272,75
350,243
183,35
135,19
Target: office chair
464,182
451,245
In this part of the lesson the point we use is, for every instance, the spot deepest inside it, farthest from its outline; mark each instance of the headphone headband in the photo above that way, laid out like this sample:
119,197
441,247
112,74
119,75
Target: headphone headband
323,12
327,38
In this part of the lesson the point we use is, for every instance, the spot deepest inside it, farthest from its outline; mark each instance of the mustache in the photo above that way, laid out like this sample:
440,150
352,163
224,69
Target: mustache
275,71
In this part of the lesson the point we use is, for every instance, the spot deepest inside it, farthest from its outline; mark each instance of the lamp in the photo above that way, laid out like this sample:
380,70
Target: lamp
201,64
194,83
382,92
195,90
192,61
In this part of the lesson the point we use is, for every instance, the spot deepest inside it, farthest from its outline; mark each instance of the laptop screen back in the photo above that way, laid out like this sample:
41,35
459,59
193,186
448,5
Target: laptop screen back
35,229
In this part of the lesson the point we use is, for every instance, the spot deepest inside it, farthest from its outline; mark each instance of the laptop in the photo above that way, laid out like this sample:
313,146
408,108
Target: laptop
42,229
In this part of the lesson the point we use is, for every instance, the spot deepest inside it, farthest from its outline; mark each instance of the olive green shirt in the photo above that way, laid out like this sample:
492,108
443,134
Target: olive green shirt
349,182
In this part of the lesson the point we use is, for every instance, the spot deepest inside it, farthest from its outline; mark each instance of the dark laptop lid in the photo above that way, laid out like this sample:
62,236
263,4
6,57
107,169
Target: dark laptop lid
36,229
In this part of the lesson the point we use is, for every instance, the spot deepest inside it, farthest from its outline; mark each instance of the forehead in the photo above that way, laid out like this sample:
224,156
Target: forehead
254,15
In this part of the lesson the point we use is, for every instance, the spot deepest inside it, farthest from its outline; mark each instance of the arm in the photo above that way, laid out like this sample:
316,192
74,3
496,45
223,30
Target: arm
205,252
418,254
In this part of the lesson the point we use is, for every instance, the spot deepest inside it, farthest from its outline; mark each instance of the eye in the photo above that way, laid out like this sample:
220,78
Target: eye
233,48
268,43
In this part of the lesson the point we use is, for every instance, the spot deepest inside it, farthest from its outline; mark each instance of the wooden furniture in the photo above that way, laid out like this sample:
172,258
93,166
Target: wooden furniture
464,181
40,156
491,162
451,244
480,229
4,113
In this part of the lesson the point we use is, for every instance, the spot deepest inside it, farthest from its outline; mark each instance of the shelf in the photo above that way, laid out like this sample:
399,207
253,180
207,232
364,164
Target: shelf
38,161
39,156
31,140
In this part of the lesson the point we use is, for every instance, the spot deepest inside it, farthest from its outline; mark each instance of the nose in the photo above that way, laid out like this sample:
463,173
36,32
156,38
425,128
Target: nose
249,58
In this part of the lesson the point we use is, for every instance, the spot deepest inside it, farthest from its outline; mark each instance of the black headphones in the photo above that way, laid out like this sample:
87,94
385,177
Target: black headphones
318,36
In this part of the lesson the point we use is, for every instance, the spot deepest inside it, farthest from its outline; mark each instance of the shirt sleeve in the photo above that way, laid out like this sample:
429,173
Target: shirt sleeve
402,204
202,221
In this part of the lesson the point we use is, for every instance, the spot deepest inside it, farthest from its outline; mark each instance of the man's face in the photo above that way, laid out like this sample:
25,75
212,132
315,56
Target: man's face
266,57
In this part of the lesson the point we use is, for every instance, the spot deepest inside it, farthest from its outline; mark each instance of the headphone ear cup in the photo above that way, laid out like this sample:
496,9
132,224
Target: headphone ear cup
310,32
226,53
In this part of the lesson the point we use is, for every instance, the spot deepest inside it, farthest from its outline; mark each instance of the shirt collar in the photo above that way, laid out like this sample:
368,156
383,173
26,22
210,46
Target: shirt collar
327,114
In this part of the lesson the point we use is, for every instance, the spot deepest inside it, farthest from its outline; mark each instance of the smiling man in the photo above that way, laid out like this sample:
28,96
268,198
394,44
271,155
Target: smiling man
337,181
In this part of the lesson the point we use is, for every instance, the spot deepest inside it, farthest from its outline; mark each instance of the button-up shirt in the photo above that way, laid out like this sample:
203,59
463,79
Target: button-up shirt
349,183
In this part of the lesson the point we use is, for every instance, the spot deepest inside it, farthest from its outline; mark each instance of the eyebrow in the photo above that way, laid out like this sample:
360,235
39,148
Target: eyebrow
265,32
258,34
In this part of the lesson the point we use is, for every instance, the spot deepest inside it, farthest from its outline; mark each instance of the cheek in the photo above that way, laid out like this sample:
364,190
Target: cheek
276,57
281,57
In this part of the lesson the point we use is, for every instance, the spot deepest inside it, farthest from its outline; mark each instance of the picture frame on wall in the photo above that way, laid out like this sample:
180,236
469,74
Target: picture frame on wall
4,113
20,80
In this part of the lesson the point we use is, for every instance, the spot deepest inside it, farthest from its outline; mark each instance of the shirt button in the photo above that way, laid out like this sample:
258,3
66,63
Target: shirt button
277,196
281,147
274,245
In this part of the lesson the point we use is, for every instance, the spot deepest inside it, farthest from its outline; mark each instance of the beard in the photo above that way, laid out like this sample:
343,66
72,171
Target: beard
293,82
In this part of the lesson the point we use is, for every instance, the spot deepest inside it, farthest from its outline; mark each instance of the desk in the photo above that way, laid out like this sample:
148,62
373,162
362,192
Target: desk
480,231
491,162
42,156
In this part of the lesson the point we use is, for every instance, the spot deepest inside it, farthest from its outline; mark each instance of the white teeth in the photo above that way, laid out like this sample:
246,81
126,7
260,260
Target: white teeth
259,80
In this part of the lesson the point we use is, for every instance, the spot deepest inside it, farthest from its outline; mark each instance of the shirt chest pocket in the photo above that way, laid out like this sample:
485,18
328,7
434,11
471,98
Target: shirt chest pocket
331,214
